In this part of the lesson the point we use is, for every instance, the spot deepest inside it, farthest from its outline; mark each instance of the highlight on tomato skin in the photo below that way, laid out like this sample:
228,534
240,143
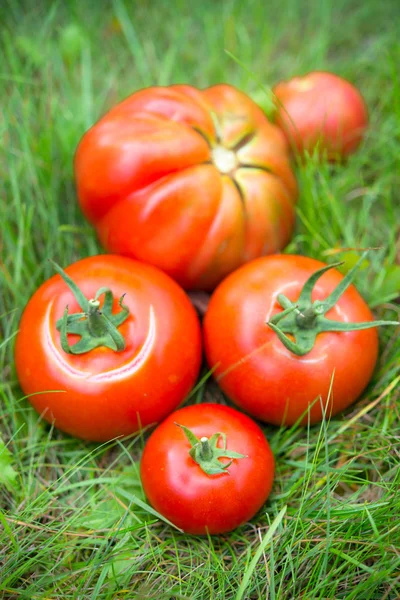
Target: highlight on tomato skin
207,468
195,182
114,361
321,112
274,351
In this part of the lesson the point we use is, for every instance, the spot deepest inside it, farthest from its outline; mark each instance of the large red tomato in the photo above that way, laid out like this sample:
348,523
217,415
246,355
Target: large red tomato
193,182
207,468
276,364
321,110
127,365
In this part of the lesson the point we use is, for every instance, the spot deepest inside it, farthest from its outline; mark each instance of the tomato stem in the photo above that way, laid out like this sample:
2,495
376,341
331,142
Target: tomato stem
207,454
305,319
224,159
94,326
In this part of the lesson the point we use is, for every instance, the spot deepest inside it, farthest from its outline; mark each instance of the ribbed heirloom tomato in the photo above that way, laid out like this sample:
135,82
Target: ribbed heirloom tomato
110,346
207,468
193,182
321,110
275,353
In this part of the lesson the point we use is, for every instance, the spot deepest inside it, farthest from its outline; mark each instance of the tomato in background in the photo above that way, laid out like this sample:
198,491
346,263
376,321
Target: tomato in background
275,353
193,182
223,494
321,110
103,392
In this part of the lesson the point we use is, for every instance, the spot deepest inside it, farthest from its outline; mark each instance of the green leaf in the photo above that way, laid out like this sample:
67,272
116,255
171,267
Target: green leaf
31,50
8,476
391,284
109,510
350,260
103,515
72,40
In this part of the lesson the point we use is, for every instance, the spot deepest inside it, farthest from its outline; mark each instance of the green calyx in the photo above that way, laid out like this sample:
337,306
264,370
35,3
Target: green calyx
207,455
305,319
94,326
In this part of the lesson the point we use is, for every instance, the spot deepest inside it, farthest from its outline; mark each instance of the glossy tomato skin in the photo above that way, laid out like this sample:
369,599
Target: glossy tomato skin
193,182
194,501
103,394
321,109
255,369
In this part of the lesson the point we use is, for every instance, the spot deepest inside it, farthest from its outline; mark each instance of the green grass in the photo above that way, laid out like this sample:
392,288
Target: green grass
75,522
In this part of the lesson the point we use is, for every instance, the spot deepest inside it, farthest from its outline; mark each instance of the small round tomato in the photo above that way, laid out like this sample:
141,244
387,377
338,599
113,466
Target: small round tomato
123,355
275,353
207,468
195,182
321,110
